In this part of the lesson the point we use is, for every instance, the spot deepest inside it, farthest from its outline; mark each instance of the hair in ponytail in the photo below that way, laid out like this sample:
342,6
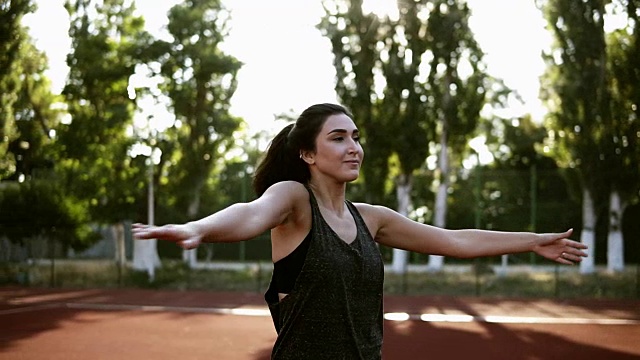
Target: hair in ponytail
282,161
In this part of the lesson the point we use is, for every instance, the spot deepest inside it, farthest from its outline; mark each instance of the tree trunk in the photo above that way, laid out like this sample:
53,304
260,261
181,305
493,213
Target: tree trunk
191,256
615,242
436,262
588,236
5,249
118,239
403,193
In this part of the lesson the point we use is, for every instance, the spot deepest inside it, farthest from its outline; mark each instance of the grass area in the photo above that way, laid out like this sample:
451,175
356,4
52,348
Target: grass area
253,278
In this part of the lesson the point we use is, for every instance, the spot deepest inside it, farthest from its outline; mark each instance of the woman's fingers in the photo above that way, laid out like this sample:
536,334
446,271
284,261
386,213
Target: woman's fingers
189,244
146,232
576,244
141,231
175,233
571,257
574,249
571,253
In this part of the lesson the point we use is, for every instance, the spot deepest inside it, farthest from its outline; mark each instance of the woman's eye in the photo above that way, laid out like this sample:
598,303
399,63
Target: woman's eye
341,138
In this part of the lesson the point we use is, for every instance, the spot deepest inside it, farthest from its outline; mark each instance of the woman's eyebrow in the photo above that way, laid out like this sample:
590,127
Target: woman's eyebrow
343,131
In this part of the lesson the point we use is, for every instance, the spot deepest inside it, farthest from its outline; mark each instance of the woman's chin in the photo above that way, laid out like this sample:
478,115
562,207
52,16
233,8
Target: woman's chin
352,178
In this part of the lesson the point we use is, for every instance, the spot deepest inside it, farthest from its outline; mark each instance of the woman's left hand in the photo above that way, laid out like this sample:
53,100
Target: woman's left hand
185,235
559,248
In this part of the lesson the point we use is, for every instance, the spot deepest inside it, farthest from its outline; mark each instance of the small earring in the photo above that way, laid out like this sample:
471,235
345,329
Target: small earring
300,156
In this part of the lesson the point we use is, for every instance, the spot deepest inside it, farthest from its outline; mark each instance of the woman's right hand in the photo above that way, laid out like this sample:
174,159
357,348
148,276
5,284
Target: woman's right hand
183,235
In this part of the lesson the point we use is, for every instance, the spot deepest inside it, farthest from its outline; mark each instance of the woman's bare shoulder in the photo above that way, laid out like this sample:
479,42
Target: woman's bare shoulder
370,210
373,215
288,187
287,191
284,201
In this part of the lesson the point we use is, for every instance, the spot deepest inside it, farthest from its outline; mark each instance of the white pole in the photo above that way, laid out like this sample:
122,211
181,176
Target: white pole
505,263
150,199
151,266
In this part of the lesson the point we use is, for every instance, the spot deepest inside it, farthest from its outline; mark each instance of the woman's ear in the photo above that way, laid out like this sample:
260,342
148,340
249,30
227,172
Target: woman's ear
307,156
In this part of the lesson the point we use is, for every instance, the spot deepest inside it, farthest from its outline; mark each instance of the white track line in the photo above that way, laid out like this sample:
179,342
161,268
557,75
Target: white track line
221,311
498,319
434,318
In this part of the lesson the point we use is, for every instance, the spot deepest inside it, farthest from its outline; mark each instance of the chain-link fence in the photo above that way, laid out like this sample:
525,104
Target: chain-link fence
474,278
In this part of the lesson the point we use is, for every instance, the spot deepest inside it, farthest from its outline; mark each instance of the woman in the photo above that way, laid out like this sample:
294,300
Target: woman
325,295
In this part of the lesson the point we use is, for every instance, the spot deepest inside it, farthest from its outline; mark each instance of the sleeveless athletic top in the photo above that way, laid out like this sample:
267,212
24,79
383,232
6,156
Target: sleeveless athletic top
287,269
334,310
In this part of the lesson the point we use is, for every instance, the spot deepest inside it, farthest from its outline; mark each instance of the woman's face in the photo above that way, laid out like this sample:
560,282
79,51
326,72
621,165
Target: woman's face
338,152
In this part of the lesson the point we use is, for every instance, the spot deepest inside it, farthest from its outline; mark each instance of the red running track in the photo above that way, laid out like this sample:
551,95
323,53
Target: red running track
150,324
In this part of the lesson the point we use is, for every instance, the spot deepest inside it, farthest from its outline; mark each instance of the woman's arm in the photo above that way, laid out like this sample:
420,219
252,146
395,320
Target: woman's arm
392,229
238,222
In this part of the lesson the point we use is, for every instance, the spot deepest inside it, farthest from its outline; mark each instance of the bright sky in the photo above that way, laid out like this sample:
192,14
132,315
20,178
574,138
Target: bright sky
288,64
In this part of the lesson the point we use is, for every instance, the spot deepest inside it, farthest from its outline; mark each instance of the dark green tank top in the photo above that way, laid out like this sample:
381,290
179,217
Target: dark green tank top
335,308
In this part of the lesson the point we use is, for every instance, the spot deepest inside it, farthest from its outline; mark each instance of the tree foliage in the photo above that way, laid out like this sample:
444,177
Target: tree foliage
56,215
95,165
36,119
457,98
577,89
592,91
32,204
355,37
622,147
200,80
404,104
524,188
13,37
428,66
406,79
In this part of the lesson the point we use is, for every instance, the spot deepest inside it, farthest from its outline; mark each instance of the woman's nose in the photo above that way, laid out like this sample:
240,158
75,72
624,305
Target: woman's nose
353,147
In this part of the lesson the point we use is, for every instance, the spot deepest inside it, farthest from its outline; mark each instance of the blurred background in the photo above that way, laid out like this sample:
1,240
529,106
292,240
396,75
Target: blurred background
493,114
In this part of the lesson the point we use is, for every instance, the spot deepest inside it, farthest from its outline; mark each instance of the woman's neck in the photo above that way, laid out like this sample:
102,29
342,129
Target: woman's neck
329,196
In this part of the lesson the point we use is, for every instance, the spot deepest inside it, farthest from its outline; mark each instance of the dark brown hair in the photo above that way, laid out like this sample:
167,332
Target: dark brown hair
282,161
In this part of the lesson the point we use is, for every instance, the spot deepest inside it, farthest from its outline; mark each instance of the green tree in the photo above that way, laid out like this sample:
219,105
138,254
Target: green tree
31,202
403,106
13,37
231,183
200,81
95,166
36,118
56,216
622,155
577,92
419,59
523,187
456,98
